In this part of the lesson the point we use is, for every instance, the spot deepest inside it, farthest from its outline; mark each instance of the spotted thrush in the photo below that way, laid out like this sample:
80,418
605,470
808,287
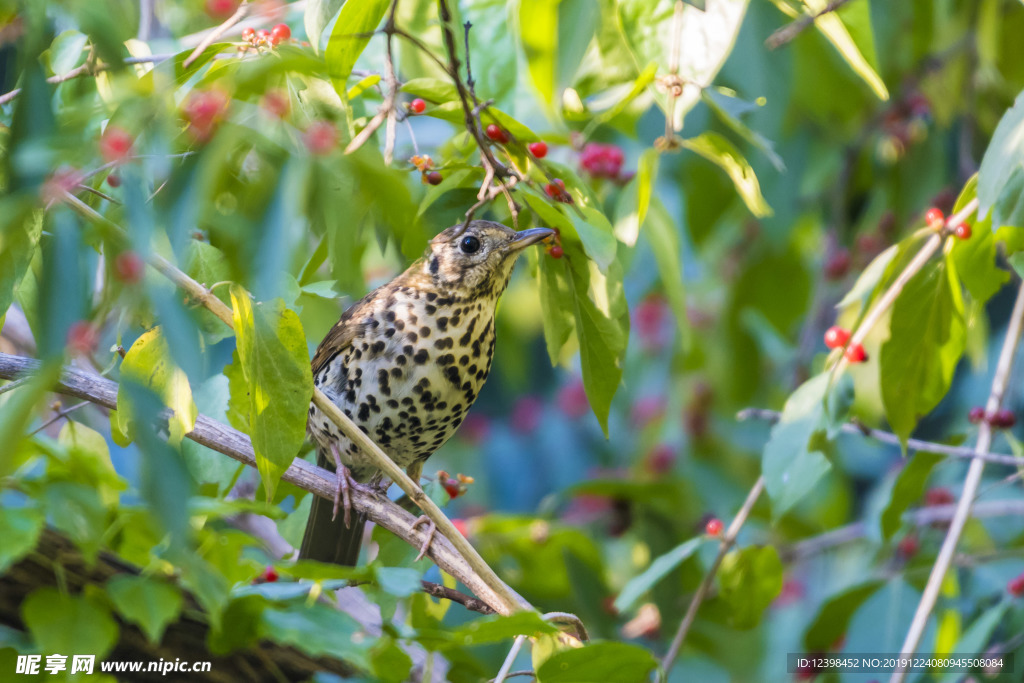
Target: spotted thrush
405,363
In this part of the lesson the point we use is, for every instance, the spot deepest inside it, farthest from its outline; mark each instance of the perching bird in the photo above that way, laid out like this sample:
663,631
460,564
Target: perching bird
406,362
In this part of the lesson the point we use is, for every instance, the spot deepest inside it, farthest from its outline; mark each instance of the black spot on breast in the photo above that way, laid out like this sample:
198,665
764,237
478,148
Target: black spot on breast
464,360
431,309
412,337
446,359
452,374
407,401
408,349
378,346
392,403
421,356
465,339
434,265
390,332
400,324
400,359
445,343
442,323
364,412
456,320
424,331
396,372
390,315
350,396
431,296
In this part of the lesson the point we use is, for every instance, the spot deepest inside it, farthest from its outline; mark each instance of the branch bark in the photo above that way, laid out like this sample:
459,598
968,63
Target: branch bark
967,494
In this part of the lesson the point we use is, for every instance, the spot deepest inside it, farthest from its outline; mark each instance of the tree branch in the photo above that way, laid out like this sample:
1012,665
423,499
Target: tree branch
705,585
920,517
233,443
970,488
914,445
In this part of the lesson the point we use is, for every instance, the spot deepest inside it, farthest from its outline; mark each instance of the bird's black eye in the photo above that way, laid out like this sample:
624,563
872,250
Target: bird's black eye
469,244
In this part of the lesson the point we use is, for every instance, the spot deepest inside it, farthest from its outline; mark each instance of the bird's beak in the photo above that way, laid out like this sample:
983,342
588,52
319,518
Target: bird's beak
525,238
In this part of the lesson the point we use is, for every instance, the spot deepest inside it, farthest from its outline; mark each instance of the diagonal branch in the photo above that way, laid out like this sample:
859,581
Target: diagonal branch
970,488
790,31
211,37
705,585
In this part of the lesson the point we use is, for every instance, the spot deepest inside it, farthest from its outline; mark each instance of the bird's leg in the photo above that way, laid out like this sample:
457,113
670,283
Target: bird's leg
342,495
415,471
431,529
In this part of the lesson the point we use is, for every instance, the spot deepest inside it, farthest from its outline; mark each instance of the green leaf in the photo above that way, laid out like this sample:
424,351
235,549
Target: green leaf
390,663
318,630
1002,159
976,637
431,89
496,628
729,108
398,581
870,277
150,603
604,661
596,234
659,569
858,48
206,466
348,38
835,614
78,511
274,358
148,364
20,529
318,15
793,461
724,154
538,35
64,624
89,461
908,488
1009,208
19,239
559,322
927,335
749,580
975,261
631,211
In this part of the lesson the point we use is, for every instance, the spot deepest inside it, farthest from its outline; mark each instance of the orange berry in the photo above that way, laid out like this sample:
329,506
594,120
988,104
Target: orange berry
836,337
856,354
417,106
713,527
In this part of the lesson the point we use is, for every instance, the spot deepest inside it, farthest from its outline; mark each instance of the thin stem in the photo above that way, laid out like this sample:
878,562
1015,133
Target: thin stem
517,644
705,585
790,31
11,386
212,36
913,445
970,488
59,415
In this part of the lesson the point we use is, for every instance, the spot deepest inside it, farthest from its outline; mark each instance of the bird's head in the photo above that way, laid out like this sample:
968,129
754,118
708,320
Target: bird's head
479,259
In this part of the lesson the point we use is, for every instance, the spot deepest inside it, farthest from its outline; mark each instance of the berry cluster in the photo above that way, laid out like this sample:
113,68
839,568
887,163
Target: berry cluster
423,164
1000,419
556,190
602,161
454,486
272,38
837,338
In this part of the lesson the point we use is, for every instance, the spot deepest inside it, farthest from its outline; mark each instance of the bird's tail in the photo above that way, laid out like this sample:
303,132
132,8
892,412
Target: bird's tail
328,540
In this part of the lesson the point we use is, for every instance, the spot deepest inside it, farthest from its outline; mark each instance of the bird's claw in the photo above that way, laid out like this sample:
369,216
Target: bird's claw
431,530
342,492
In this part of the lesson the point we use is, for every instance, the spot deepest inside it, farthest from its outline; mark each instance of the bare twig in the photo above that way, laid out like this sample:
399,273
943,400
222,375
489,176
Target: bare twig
212,36
705,585
920,517
673,82
970,488
446,593
529,672
11,386
913,445
790,31
59,415
74,73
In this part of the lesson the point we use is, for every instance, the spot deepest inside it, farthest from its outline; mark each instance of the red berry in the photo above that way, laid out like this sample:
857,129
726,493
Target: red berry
938,496
662,458
114,180
933,216
249,35
203,110
116,144
129,267
976,415
837,264
497,133
435,178
1003,419
269,575
909,546
1016,586
279,34
82,337
276,103
262,36
220,8
556,190
452,487
713,527
538,149
856,354
321,137
963,231
836,337
556,251
461,526
417,106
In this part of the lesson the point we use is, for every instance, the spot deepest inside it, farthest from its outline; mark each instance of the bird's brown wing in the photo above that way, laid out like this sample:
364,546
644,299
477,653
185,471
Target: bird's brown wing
344,331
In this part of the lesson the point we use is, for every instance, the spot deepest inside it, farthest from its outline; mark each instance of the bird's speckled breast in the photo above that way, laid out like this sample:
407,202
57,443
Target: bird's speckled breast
409,376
